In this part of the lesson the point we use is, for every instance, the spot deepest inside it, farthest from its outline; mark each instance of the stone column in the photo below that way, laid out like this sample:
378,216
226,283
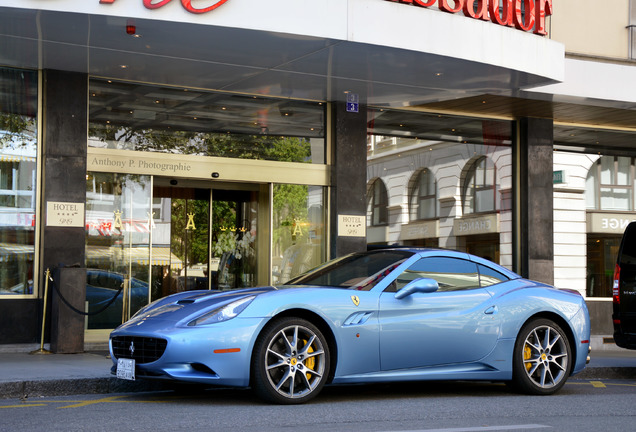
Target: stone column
64,180
533,209
349,174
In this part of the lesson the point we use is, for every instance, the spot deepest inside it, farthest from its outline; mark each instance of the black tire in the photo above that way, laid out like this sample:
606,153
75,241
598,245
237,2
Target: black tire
542,358
291,362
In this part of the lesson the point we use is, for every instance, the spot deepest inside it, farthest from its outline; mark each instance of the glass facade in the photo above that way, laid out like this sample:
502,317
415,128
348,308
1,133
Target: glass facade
594,201
149,236
184,121
118,229
447,182
18,179
299,231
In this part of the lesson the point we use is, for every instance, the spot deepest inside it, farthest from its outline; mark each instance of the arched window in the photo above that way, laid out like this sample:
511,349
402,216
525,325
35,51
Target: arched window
423,199
377,202
479,187
610,184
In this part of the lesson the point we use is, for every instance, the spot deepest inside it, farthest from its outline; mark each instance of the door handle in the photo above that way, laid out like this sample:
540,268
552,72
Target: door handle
491,310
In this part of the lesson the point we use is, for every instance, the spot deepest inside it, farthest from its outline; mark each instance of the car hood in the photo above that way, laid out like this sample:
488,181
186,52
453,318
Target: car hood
189,304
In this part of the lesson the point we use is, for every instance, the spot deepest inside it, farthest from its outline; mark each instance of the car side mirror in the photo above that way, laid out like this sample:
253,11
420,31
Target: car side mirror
420,285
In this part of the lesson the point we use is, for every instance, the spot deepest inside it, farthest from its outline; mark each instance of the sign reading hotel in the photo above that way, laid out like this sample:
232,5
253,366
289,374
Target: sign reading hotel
352,226
529,18
64,214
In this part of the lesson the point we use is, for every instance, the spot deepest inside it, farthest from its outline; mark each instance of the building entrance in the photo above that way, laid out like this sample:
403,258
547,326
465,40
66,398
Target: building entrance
149,237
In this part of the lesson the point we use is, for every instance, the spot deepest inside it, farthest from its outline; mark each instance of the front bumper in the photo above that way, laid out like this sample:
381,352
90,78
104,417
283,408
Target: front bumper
217,354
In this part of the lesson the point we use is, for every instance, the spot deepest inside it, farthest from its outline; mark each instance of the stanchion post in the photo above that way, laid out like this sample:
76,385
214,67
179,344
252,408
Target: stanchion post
47,276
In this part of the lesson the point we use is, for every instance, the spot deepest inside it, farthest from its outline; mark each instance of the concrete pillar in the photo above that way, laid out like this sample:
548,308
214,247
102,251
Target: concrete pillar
533,210
349,174
65,101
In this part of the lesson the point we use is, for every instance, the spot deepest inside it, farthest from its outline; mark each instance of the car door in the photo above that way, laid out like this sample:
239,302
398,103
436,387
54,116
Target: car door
456,324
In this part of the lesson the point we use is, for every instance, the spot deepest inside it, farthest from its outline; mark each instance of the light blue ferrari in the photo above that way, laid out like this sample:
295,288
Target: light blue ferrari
377,316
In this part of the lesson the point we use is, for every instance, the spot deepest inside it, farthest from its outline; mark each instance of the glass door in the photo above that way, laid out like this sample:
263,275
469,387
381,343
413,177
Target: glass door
180,239
234,233
118,232
149,237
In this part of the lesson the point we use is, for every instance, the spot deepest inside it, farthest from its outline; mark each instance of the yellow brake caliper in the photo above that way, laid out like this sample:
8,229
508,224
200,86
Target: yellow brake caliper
311,362
527,353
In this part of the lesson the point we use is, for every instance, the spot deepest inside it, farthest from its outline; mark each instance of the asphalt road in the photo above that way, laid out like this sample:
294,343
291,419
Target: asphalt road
582,405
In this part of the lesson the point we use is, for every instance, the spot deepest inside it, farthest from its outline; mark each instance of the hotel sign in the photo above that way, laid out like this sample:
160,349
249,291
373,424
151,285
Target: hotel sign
187,5
65,214
352,226
526,15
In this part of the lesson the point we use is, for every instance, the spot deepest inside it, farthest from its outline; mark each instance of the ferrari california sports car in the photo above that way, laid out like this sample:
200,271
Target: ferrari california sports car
377,316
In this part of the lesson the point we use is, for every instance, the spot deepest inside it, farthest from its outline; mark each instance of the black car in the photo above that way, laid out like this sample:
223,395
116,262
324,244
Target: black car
624,291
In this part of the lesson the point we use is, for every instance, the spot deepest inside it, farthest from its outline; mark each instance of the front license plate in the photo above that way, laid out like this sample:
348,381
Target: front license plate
126,369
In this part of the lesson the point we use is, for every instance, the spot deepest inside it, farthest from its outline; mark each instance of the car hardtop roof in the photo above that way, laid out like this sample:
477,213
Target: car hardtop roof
424,251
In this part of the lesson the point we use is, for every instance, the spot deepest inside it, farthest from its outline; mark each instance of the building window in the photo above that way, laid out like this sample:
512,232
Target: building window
377,202
18,153
479,187
610,184
423,203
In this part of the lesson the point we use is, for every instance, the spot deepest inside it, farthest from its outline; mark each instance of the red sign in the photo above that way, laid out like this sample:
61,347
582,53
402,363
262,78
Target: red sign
511,14
187,4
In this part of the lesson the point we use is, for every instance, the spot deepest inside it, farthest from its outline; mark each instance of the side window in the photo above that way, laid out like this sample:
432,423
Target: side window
452,274
488,276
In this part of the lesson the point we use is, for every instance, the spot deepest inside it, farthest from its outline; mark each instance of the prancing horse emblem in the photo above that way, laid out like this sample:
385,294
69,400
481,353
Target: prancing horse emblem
132,349
355,299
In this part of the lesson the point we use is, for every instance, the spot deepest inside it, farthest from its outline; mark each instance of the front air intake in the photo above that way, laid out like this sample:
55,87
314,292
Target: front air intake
141,349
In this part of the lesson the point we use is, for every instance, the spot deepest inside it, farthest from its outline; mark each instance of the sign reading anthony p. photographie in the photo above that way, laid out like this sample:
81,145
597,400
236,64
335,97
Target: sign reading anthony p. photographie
138,165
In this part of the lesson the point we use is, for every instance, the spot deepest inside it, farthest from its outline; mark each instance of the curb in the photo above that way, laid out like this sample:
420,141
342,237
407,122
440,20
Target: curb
68,387
591,373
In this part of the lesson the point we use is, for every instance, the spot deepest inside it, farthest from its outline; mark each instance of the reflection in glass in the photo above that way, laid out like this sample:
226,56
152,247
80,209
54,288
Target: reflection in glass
187,121
464,199
609,184
118,226
479,187
423,197
18,155
299,237
234,232
377,202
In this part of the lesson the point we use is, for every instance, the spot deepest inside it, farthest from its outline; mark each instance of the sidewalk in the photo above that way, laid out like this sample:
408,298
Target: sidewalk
25,375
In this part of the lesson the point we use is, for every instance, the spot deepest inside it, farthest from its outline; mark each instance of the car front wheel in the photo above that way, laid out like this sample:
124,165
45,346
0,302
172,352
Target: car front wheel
291,361
541,359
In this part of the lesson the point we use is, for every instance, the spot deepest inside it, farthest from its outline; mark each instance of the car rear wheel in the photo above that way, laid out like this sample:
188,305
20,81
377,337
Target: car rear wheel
291,361
541,359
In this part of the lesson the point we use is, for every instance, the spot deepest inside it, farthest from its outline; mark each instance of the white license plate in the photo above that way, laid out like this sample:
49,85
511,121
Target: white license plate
126,369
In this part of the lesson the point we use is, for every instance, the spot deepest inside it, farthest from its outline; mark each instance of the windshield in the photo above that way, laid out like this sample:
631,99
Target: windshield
359,271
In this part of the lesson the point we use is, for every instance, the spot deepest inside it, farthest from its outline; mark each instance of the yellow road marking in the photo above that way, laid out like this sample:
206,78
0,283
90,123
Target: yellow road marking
598,384
23,406
95,401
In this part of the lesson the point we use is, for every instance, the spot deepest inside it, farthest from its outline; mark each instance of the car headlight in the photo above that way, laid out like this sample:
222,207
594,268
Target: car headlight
223,313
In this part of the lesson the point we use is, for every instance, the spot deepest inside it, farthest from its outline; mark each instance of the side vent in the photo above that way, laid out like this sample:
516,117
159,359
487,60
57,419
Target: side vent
357,318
